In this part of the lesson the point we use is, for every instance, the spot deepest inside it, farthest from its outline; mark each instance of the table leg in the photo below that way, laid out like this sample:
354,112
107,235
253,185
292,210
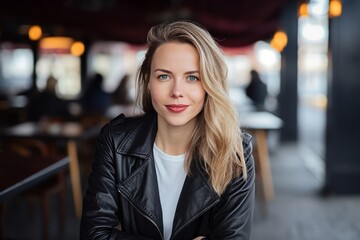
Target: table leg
75,176
263,161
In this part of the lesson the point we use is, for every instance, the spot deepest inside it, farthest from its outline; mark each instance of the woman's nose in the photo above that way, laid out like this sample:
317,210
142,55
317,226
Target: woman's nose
176,90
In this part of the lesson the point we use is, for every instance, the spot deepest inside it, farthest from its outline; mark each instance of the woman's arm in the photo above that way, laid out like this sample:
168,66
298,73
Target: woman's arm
100,209
233,216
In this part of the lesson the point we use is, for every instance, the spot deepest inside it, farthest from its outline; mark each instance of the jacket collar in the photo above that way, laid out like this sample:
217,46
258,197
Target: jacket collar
141,188
140,136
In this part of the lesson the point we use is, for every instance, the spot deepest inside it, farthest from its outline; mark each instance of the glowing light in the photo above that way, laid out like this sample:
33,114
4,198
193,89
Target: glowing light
77,49
335,8
267,56
279,40
313,32
303,10
56,43
313,62
35,33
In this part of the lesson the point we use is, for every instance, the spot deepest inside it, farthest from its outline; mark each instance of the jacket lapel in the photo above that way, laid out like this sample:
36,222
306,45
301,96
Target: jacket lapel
141,187
197,196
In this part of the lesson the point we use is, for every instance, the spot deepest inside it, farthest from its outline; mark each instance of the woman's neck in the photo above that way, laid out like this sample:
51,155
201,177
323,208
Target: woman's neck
173,140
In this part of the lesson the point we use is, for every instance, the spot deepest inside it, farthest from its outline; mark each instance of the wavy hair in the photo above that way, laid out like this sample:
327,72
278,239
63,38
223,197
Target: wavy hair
216,139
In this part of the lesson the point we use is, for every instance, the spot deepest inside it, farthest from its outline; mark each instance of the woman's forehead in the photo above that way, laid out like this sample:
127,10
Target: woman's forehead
175,56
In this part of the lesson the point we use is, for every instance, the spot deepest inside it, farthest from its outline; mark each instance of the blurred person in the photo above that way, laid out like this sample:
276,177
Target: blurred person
256,90
46,104
95,100
121,94
122,100
183,169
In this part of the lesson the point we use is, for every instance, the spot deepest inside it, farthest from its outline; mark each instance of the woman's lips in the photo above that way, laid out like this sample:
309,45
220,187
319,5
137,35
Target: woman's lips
176,108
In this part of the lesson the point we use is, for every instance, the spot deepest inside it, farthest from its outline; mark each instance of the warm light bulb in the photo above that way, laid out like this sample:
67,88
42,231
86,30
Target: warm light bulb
281,37
77,49
35,32
303,10
279,41
335,8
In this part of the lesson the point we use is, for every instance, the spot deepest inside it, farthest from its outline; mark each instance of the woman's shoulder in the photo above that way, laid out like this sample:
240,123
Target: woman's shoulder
121,120
122,127
122,124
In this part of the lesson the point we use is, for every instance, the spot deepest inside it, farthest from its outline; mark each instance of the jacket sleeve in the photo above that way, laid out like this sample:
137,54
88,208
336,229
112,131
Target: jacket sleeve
100,207
233,216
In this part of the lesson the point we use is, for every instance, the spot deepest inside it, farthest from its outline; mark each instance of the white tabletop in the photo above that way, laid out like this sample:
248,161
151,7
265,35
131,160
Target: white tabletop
260,120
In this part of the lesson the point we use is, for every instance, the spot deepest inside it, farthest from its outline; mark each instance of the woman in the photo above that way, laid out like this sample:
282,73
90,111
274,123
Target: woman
183,170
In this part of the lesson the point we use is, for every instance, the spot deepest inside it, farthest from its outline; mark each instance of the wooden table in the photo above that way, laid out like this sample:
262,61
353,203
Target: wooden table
258,124
71,132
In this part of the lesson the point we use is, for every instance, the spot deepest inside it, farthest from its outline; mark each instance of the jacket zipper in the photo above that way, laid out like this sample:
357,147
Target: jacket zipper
194,218
144,215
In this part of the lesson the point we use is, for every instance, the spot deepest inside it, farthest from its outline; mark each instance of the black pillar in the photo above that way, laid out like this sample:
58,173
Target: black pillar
343,115
288,97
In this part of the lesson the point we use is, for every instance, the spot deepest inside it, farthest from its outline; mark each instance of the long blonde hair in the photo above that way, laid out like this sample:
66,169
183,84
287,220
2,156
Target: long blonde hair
217,136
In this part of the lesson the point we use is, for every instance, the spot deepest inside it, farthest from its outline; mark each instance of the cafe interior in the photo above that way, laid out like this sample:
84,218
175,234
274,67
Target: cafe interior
68,67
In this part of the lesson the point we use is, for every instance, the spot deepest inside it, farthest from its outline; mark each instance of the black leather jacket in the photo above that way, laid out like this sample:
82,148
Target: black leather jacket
123,192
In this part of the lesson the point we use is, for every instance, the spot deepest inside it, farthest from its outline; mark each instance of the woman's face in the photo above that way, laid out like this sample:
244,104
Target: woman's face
177,92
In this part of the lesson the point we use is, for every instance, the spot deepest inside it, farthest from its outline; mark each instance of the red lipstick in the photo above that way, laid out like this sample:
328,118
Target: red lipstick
176,108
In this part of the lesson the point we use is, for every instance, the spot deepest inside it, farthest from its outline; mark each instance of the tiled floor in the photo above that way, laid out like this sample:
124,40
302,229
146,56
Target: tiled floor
297,212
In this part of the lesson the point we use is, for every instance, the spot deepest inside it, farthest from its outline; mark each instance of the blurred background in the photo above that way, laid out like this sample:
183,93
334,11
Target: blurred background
69,65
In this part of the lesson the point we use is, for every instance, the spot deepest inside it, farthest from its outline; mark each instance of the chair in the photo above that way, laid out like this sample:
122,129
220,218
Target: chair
36,150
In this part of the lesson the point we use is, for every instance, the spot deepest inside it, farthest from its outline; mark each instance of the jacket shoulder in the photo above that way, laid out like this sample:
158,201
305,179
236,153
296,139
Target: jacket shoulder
121,126
122,123
247,145
121,118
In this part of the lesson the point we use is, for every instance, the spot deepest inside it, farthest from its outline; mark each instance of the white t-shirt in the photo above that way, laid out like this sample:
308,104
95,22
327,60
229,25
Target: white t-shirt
170,175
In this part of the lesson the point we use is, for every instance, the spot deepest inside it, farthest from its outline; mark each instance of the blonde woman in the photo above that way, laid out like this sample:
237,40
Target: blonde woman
182,170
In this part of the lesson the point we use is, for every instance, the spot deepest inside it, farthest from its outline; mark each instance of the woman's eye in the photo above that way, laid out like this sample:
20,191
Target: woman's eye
163,77
193,78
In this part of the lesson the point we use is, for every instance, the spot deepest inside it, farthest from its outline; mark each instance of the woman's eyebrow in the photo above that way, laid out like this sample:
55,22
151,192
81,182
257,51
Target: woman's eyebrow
192,72
167,71
162,70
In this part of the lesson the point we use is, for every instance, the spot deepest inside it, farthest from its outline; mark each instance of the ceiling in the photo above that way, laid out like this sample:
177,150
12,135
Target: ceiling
234,23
